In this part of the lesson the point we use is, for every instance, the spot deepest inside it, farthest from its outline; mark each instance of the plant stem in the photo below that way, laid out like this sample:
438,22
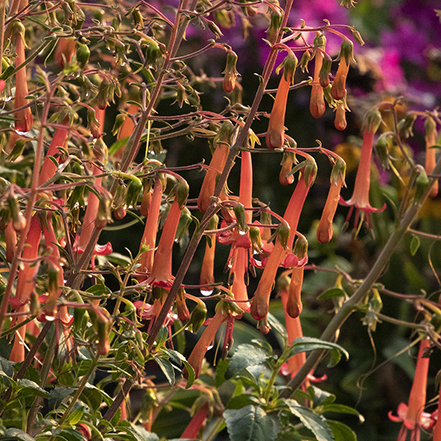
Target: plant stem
350,305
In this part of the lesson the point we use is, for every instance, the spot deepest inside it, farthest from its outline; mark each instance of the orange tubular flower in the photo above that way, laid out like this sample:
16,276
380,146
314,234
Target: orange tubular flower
437,428
293,328
126,129
360,196
11,241
161,274
93,202
216,166
260,301
276,126
59,140
207,270
431,134
412,415
23,117
317,101
65,51
198,353
338,88
151,229
324,230
196,423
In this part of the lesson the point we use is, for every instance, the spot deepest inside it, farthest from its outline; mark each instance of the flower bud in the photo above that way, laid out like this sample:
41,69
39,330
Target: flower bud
325,72
230,72
181,191
421,184
184,222
338,88
282,232
405,126
83,54
275,23
239,211
133,191
382,147
197,317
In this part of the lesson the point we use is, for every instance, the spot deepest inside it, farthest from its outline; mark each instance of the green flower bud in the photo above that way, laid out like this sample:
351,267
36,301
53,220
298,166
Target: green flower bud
181,192
83,54
421,184
325,72
184,222
283,231
239,211
133,191
197,317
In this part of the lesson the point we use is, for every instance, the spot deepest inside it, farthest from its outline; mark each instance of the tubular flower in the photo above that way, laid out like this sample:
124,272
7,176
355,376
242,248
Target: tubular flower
93,203
198,353
23,117
360,196
317,101
207,270
338,88
242,254
65,51
324,230
412,415
430,137
196,423
150,230
59,140
437,428
126,129
216,166
288,160
276,126
294,305
230,72
161,274
260,301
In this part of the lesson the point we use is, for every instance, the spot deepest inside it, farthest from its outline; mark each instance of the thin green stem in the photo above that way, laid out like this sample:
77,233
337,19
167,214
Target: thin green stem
350,305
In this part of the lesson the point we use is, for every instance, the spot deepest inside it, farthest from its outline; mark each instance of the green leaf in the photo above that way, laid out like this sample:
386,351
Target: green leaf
57,395
242,400
305,344
414,245
277,326
16,434
75,416
221,370
245,355
7,367
331,293
340,408
315,423
167,369
191,375
251,423
71,434
341,431
28,387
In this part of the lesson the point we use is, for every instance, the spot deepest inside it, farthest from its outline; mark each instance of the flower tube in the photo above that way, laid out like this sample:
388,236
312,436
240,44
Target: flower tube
412,415
360,196
276,126
430,138
338,88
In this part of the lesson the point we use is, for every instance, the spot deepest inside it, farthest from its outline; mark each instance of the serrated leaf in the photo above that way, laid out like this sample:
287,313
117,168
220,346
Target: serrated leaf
315,423
251,423
33,388
331,293
242,400
221,370
341,431
167,369
245,355
414,245
7,366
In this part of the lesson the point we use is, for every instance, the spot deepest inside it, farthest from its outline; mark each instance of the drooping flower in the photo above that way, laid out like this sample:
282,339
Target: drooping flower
197,355
260,301
430,137
324,229
338,88
317,101
360,196
161,274
23,117
412,415
207,269
217,164
276,126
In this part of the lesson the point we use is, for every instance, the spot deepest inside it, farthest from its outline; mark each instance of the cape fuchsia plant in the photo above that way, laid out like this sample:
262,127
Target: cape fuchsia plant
128,125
